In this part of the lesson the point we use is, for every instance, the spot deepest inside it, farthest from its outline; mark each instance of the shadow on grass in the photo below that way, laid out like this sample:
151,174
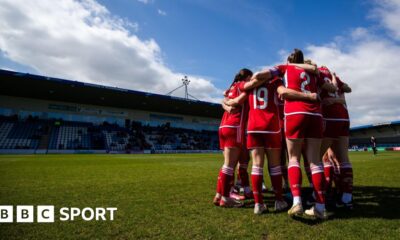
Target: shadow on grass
373,202
369,202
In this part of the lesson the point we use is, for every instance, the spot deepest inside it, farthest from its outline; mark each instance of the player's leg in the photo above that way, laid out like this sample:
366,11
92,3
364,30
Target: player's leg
274,165
331,135
231,153
318,178
236,182
313,147
231,157
294,132
243,173
336,178
222,142
328,172
346,170
273,145
306,164
257,173
284,157
294,173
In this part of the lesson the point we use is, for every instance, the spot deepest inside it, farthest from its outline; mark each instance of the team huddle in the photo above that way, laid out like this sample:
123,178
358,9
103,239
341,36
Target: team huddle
291,110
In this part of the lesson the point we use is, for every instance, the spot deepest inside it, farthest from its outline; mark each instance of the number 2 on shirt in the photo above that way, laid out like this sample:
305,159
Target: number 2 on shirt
305,81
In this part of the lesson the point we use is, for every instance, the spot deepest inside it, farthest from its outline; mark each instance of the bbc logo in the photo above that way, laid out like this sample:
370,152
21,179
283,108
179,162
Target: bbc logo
26,214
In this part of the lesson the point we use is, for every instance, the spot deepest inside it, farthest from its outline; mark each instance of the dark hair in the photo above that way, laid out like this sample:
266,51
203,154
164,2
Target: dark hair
290,58
296,56
241,75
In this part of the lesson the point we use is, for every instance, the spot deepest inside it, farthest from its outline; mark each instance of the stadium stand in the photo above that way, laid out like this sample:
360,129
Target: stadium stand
387,135
56,115
66,135
20,135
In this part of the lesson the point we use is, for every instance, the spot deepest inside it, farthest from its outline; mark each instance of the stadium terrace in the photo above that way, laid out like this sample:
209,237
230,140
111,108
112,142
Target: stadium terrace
40,114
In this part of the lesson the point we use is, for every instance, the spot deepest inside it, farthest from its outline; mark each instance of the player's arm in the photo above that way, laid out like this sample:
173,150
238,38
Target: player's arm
346,88
330,101
268,74
329,87
291,94
326,85
333,100
253,83
262,77
307,67
236,101
343,86
227,108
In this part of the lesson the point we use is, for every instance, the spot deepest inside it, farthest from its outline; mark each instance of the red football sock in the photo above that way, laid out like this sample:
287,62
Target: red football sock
257,180
294,173
226,178
276,180
219,187
328,172
318,181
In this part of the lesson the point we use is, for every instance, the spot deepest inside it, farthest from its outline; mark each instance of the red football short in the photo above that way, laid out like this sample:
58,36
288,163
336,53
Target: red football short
230,138
303,126
335,129
264,140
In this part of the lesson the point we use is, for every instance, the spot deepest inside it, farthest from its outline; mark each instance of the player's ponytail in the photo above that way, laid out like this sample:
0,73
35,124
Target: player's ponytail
296,57
241,76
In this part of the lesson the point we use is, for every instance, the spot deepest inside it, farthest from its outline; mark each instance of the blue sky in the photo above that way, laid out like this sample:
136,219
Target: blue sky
149,45
216,38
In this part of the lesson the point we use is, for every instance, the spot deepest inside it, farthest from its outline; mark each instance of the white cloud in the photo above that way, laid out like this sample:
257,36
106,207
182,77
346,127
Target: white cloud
368,62
369,68
388,12
161,12
144,1
82,40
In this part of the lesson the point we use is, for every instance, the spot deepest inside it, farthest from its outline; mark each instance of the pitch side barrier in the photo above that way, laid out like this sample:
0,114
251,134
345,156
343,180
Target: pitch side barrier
370,149
186,151
44,151
33,151
164,151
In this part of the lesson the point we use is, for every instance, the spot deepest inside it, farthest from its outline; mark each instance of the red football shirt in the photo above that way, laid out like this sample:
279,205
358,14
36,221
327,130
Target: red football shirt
298,79
263,116
233,120
336,111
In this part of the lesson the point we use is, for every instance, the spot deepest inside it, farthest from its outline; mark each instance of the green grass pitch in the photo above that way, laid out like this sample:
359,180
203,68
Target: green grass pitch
169,197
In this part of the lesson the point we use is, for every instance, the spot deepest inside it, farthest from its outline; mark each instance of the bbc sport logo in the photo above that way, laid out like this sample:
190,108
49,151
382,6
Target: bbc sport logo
46,214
